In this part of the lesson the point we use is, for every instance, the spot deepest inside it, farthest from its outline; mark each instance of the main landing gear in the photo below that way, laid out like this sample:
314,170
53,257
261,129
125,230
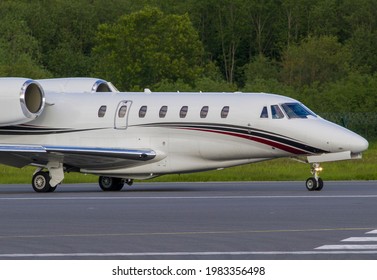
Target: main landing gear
41,182
111,184
45,181
315,183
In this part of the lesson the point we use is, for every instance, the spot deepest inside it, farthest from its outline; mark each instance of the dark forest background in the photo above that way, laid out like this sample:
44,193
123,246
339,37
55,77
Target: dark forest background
321,52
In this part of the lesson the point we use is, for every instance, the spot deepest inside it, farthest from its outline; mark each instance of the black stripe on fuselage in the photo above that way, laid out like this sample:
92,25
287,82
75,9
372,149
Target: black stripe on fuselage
244,132
34,130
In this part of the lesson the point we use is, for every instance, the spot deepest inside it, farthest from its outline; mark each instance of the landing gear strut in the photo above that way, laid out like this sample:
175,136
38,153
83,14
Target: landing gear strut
315,183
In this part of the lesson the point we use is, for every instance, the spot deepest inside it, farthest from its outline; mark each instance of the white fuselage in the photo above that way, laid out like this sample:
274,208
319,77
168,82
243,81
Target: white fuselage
233,131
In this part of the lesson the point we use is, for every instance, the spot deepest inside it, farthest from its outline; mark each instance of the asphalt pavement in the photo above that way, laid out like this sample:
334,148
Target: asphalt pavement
221,220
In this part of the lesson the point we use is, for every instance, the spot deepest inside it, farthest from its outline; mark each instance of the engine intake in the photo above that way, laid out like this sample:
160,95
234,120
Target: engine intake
32,98
21,100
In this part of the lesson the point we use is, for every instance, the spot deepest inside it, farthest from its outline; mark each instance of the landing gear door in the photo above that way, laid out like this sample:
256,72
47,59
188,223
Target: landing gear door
121,114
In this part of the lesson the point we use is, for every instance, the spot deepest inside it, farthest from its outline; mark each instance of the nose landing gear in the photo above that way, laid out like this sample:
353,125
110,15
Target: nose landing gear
315,183
113,184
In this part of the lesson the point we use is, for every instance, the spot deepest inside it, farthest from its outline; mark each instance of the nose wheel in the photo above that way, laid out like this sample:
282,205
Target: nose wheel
110,184
315,183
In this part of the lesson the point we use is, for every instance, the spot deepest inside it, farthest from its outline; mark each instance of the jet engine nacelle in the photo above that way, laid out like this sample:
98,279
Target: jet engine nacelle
21,100
89,85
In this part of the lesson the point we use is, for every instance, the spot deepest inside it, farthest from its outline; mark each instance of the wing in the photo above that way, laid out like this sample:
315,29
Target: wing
77,157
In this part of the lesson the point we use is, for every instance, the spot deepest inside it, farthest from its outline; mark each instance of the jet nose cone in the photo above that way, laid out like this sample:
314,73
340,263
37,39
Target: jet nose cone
352,142
341,139
359,144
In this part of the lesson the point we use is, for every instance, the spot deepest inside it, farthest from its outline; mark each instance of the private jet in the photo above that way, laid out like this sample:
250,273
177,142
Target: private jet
86,125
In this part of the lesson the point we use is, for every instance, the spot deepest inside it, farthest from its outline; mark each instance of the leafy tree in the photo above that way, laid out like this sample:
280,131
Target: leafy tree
324,18
71,26
145,47
261,67
262,24
358,14
222,26
208,85
362,46
170,86
295,14
354,93
65,30
230,22
267,85
316,60
361,25
19,50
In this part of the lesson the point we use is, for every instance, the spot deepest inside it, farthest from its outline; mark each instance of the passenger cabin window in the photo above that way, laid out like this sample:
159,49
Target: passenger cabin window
142,111
297,111
102,111
225,112
122,111
264,114
204,112
183,112
276,112
163,111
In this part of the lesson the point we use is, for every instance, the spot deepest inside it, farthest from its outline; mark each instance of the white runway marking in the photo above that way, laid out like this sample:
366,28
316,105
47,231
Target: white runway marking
151,254
354,246
360,239
347,247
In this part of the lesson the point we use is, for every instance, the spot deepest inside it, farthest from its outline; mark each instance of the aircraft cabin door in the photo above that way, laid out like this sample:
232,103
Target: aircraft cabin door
121,114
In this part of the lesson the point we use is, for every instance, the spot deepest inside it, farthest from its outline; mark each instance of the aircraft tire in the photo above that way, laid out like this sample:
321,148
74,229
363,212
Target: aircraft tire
110,184
41,182
52,189
311,184
319,185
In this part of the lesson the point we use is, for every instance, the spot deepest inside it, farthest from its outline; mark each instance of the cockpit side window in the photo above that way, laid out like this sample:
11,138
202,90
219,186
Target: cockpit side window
276,112
264,114
297,111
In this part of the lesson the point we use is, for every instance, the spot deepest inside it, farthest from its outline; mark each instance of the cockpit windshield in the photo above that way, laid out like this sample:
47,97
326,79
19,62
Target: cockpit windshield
297,111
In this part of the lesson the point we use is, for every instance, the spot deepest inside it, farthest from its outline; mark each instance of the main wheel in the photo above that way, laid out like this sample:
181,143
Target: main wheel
41,182
110,184
311,184
319,185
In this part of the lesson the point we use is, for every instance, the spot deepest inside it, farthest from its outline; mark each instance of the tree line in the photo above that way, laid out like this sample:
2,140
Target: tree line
321,52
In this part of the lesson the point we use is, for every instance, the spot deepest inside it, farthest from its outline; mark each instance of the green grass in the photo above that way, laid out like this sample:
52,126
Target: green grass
274,170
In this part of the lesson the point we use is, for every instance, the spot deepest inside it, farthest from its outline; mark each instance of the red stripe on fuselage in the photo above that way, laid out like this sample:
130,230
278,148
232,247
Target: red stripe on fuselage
256,139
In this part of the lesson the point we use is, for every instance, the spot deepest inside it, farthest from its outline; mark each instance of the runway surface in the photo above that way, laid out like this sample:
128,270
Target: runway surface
226,220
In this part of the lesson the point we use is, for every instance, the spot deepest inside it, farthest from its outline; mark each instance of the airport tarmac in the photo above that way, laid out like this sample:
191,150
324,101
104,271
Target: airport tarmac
218,220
